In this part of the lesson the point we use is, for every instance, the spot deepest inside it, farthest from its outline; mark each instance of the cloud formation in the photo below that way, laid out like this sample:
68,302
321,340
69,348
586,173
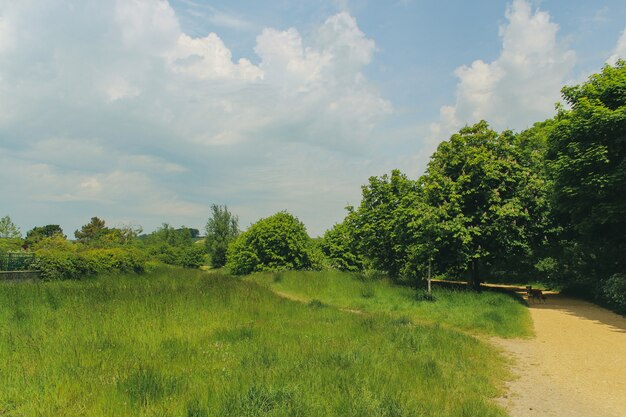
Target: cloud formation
620,49
518,88
109,108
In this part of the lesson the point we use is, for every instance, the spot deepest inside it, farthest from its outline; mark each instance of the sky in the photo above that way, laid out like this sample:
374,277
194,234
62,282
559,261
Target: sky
144,112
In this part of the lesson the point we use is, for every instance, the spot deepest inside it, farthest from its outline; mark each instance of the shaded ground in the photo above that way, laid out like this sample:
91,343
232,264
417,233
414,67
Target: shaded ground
574,367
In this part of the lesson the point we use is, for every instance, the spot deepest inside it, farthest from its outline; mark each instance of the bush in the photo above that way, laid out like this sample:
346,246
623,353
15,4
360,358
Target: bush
274,243
57,264
191,256
614,292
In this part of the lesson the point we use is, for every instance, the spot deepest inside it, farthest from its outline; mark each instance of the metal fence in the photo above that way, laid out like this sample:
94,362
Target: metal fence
16,261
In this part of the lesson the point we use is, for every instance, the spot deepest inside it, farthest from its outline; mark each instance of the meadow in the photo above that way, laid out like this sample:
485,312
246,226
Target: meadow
180,342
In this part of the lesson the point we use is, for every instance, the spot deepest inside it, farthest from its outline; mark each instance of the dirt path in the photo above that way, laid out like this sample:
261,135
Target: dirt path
574,367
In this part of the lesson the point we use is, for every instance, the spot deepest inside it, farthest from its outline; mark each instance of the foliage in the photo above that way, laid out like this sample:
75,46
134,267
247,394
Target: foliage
339,245
276,242
59,264
221,229
10,245
587,158
614,292
92,231
56,242
378,226
491,199
8,229
173,246
40,232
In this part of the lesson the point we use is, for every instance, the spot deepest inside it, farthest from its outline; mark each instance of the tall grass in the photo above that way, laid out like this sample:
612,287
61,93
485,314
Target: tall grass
488,313
188,343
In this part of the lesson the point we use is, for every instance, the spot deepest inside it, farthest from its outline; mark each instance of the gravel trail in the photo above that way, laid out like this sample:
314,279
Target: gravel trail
575,366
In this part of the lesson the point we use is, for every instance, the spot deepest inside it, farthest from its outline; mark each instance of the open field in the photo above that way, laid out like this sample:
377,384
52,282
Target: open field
189,343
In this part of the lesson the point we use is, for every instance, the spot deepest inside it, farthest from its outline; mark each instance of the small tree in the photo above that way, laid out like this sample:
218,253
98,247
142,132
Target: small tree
274,243
221,230
8,229
91,231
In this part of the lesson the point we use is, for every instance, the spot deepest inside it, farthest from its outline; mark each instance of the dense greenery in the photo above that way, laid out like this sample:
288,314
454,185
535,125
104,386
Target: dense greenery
276,242
37,233
543,204
187,343
221,229
587,159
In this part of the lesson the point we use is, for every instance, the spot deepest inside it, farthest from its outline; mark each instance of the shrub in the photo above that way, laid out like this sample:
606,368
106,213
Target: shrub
191,257
614,292
274,243
57,264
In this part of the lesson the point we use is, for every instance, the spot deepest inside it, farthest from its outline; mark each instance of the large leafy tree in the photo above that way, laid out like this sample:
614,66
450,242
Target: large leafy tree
487,198
587,157
221,229
274,243
339,245
378,225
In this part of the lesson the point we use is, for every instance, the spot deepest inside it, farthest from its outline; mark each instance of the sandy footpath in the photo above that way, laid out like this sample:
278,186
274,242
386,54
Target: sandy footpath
574,367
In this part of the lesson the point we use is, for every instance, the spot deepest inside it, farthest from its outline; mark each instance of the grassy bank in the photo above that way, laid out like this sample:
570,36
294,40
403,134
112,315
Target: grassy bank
487,313
188,343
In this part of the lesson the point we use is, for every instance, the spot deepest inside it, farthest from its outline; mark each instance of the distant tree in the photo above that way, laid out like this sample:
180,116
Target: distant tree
194,233
92,231
40,232
221,229
8,229
121,236
274,243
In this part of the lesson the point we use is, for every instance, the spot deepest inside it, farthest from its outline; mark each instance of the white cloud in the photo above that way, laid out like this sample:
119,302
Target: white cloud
518,88
109,105
620,49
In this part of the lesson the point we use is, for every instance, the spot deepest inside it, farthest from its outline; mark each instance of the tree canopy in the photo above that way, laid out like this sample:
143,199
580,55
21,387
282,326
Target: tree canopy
274,243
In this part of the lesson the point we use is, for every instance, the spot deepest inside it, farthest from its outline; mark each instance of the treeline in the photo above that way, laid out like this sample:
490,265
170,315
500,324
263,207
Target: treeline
98,248
546,204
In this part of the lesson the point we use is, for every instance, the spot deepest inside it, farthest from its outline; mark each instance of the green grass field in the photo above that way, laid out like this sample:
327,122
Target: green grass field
190,343
488,313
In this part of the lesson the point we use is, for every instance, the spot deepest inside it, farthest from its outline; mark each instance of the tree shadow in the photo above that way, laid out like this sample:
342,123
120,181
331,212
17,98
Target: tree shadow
584,310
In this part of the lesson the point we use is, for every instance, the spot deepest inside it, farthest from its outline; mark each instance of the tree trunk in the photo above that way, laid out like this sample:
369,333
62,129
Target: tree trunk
475,278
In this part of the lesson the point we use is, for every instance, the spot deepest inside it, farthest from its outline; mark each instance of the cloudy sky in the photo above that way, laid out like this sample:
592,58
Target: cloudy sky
148,111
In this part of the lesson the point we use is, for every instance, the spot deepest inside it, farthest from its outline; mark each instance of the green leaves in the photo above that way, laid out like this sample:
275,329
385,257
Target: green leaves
221,229
274,243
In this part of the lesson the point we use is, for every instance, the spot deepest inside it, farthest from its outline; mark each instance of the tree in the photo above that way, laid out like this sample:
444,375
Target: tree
8,229
92,231
587,158
40,232
339,245
489,200
379,223
221,229
275,243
